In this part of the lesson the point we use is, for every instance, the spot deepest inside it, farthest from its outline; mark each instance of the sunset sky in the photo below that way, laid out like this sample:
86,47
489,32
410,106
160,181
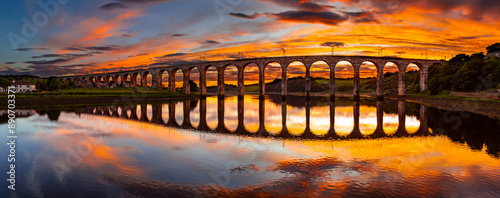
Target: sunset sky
77,37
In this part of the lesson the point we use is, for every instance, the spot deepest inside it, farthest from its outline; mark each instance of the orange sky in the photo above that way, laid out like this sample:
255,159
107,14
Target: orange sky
98,38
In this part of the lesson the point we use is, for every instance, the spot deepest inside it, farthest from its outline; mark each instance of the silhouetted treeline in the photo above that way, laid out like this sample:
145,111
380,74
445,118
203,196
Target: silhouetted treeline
476,72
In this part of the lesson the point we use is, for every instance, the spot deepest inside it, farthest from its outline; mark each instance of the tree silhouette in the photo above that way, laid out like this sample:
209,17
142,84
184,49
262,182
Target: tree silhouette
493,48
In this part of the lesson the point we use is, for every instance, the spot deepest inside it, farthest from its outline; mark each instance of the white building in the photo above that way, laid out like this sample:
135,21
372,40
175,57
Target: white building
497,54
23,86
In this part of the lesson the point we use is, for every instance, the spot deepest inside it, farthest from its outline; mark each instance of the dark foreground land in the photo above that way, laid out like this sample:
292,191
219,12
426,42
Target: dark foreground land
117,96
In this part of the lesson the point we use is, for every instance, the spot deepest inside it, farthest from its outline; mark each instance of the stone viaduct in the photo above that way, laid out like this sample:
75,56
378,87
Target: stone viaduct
284,62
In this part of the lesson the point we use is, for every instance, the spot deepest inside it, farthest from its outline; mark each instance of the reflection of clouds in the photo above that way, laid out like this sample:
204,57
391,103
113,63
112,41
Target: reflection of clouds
391,123
251,113
195,115
412,124
320,120
273,120
344,120
296,120
164,112
231,113
212,119
367,120
179,112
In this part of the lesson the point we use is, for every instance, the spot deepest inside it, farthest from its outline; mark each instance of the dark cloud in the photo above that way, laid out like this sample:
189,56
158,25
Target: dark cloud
73,49
144,1
179,34
332,44
475,37
31,49
49,62
67,56
122,4
245,16
10,63
172,55
302,5
102,48
209,42
327,18
113,6
93,48
476,9
129,34
136,55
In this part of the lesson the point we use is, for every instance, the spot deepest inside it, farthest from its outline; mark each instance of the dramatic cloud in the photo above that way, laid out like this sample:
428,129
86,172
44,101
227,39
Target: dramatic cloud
92,48
136,55
172,55
209,42
129,34
310,12
32,49
176,35
10,63
327,18
245,16
102,48
472,9
144,1
113,6
302,5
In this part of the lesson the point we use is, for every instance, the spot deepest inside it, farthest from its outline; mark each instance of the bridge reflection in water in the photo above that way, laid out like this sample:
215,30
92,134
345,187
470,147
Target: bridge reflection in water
282,118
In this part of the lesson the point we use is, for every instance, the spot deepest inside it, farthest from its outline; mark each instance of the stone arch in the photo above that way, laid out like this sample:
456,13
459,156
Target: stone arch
118,80
231,79
108,79
321,76
174,76
133,79
412,77
92,80
292,71
250,75
99,79
145,79
161,80
271,67
344,71
206,79
127,80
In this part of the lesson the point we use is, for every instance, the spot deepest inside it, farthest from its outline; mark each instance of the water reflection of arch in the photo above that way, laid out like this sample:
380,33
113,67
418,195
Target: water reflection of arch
156,117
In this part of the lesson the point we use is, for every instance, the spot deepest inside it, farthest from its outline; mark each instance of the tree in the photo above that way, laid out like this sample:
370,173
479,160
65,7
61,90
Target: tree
53,84
4,83
493,48
193,87
41,84
29,80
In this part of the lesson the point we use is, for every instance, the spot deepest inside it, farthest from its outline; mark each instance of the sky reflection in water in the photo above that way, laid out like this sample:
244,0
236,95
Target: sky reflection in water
97,156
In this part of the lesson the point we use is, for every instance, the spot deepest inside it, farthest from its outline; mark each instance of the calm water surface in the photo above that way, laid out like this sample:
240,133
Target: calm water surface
250,147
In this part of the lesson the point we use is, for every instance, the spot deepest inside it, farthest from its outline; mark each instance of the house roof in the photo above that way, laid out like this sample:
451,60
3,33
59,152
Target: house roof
21,82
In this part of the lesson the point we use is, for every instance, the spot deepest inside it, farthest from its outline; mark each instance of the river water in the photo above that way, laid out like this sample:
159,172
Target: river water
251,146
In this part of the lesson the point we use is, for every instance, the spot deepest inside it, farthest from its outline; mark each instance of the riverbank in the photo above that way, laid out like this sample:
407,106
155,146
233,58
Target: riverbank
92,96
487,107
